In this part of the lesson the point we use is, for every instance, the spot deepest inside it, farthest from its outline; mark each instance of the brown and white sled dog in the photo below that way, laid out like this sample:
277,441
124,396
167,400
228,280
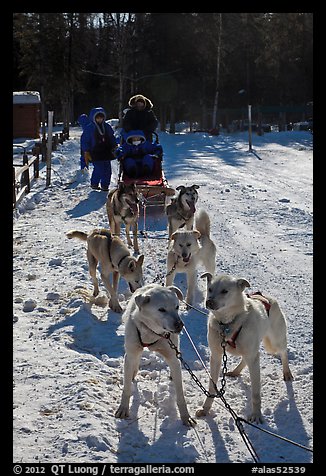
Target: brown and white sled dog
114,258
187,250
151,317
181,210
122,206
243,322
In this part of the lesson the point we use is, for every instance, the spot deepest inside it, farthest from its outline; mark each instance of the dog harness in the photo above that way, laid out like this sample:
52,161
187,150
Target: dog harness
131,211
225,328
109,237
143,343
120,261
231,340
258,295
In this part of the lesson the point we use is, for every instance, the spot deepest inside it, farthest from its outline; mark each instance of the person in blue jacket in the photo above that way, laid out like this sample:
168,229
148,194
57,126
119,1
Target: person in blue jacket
83,121
137,154
98,144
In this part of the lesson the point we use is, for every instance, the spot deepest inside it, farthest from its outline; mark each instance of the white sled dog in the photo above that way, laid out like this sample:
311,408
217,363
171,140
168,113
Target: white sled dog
114,258
181,210
151,318
187,250
122,206
243,321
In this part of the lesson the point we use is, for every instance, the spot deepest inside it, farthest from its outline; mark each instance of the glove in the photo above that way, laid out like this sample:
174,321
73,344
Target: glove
88,158
118,153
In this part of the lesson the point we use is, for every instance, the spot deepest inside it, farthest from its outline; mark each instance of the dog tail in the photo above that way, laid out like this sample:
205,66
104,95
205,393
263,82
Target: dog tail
202,222
77,234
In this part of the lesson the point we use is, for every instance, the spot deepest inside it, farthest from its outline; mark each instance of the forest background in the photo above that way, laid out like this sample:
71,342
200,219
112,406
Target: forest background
204,68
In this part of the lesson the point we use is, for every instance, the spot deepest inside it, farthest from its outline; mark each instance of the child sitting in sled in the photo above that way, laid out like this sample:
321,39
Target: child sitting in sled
137,154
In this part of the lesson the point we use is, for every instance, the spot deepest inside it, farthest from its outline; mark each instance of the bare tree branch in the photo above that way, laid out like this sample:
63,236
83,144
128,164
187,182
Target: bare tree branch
128,77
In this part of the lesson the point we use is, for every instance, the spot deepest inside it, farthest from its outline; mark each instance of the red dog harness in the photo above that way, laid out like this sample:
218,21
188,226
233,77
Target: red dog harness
231,340
258,295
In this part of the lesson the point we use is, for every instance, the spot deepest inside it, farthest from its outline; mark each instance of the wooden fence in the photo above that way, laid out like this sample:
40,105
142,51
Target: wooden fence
22,179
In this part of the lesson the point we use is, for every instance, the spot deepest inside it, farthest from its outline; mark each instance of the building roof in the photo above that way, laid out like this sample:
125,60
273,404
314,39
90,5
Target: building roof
26,97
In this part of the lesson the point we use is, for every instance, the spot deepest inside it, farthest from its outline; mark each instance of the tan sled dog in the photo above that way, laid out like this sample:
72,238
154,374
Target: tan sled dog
122,207
187,250
181,210
242,322
151,318
114,258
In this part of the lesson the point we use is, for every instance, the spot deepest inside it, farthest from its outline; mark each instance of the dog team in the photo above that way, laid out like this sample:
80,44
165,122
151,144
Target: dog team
239,320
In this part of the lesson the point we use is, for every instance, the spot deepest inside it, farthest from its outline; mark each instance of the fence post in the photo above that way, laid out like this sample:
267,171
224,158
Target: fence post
249,128
25,175
14,197
25,157
43,149
49,148
55,141
37,167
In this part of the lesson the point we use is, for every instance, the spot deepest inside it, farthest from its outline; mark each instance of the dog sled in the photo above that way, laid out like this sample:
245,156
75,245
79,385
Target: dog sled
153,188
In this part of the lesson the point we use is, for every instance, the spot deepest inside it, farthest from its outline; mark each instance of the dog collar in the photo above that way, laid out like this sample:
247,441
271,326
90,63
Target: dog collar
232,339
185,218
145,344
125,256
225,330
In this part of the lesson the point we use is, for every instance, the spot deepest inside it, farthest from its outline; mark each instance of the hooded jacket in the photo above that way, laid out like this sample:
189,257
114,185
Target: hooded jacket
98,139
83,120
145,120
128,149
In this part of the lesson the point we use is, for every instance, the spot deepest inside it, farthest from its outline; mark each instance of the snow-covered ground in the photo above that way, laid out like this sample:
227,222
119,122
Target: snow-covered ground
68,351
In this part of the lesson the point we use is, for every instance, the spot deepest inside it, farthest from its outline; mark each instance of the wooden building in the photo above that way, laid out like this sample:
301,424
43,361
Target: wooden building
26,114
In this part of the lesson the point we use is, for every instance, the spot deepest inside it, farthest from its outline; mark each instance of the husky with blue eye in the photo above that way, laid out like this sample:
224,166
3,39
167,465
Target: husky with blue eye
242,321
152,320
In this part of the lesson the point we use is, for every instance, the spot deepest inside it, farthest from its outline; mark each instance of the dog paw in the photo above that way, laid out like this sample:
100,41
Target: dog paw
232,373
115,307
288,376
122,412
201,412
188,421
256,418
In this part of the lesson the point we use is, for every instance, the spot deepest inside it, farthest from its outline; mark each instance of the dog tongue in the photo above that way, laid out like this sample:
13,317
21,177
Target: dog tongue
191,206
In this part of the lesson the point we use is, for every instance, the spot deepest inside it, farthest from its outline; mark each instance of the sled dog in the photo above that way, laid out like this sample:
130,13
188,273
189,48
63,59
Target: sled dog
114,258
122,206
151,318
181,210
242,321
188,249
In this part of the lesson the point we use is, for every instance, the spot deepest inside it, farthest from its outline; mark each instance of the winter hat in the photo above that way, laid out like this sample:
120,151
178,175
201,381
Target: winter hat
96,111
83,120
135,133
139,97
